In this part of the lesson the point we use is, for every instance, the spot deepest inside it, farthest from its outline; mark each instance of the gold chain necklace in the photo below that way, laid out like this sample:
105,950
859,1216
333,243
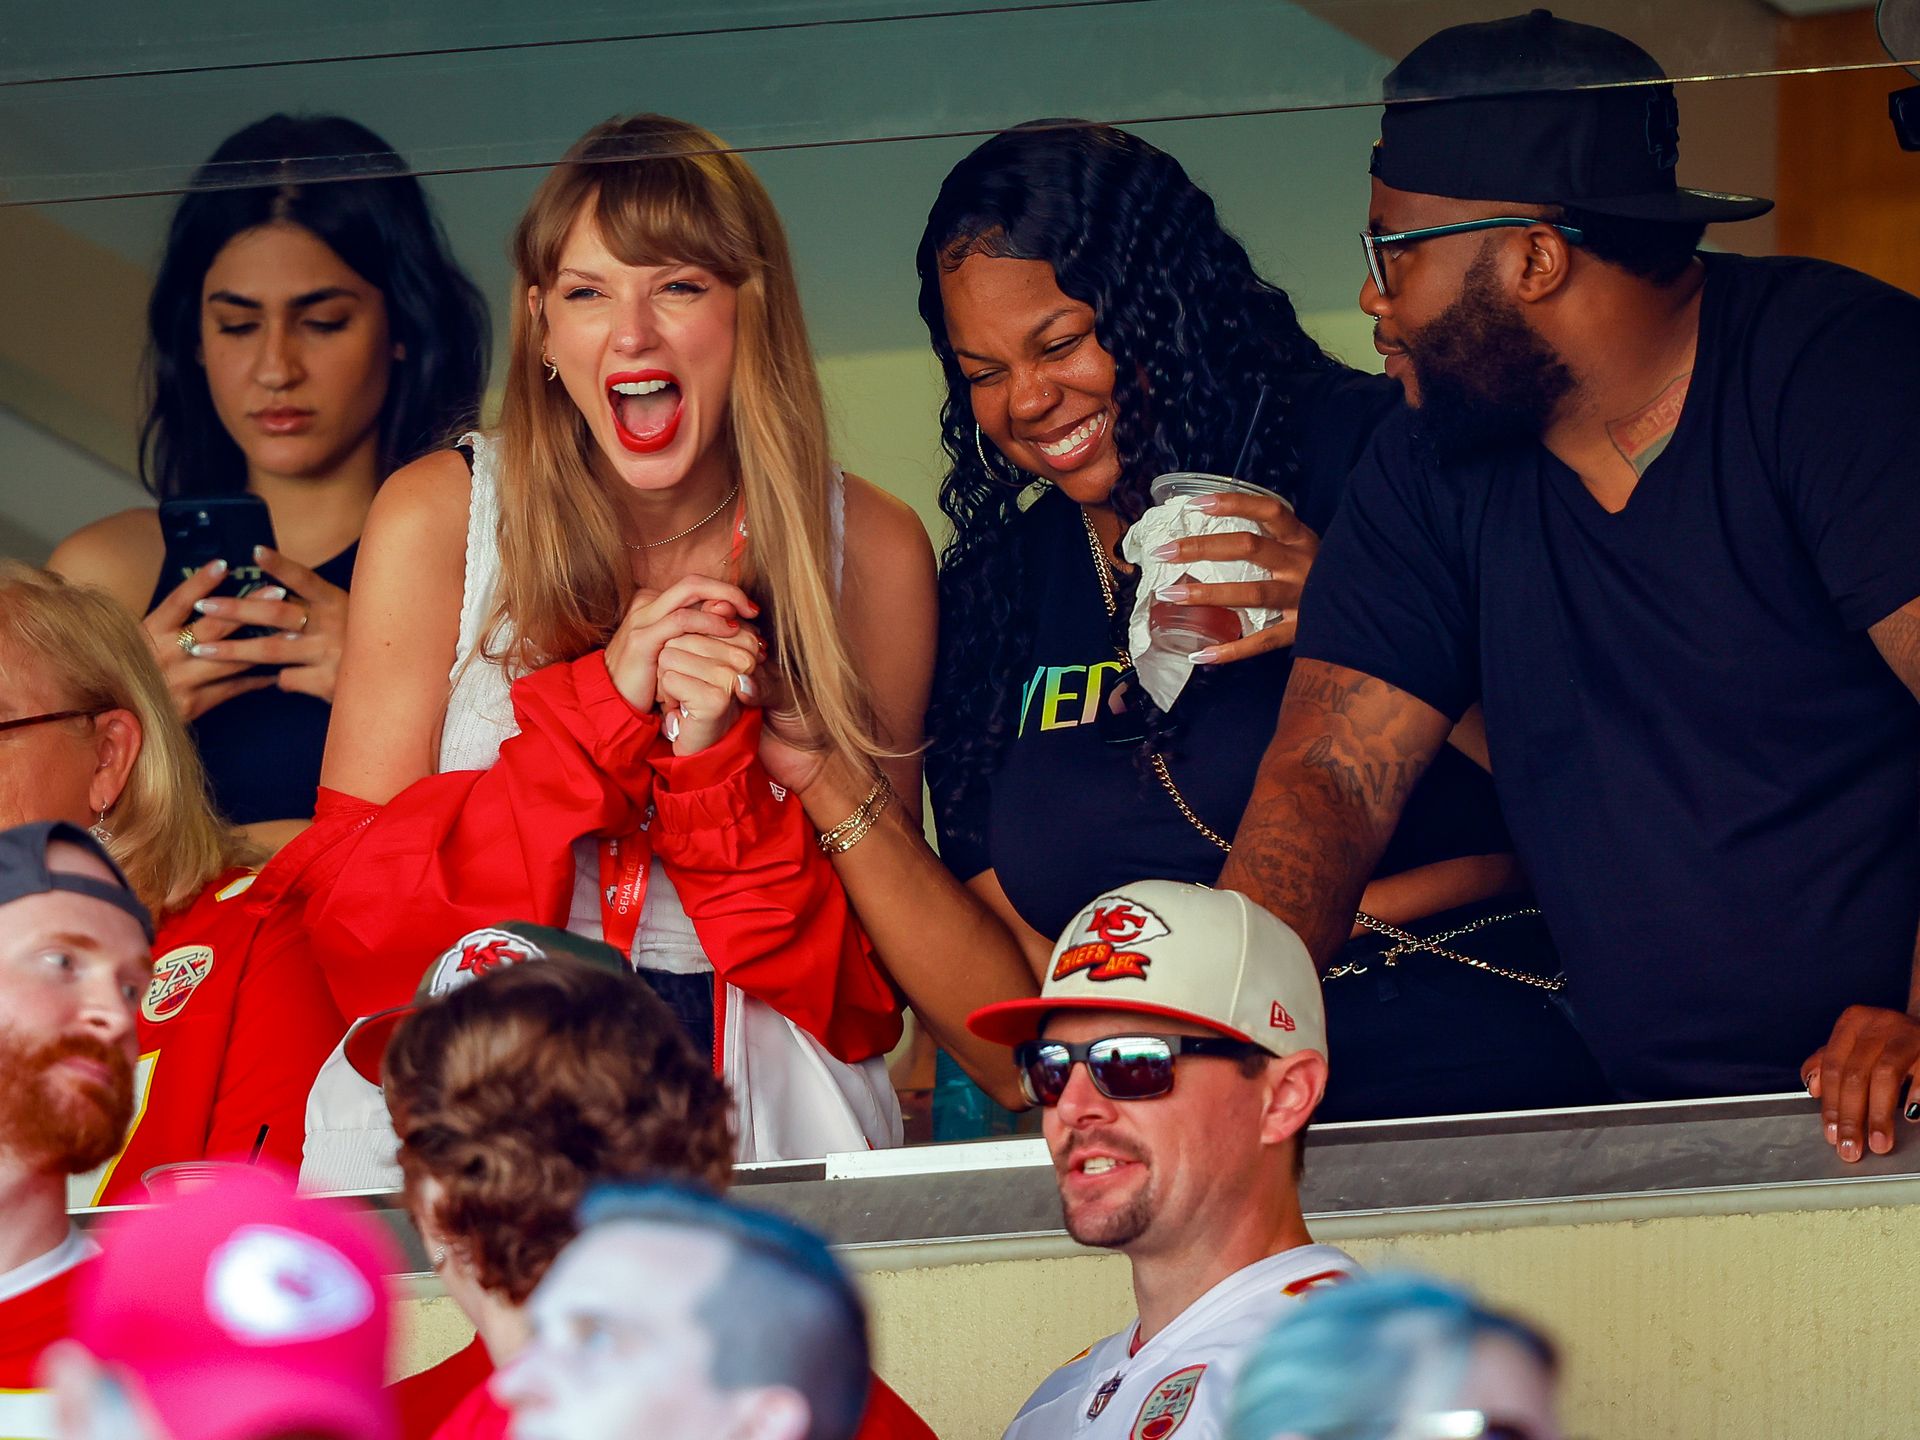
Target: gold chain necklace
725,501
1403,940
1103,567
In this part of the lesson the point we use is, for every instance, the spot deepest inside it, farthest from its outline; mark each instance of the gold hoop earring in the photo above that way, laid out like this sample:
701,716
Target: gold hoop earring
1018,480
553,370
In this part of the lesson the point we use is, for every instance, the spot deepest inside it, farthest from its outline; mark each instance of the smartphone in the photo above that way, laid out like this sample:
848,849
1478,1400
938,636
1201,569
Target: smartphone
219,527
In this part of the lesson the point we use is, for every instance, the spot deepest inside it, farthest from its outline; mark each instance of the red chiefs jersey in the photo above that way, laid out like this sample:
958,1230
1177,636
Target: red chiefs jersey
29,1322
480,1417
387,887
234,1027
424,1400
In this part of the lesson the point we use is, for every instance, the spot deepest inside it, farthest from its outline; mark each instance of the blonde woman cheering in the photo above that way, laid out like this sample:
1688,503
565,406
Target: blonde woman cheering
548,707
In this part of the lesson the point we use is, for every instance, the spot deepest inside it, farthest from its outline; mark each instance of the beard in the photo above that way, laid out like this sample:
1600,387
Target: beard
1109,1226
1485,379
58,1122
1112,1229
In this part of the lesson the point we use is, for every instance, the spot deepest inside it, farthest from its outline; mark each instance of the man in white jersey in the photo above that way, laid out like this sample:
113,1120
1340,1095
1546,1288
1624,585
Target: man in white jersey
74,963
1196,1182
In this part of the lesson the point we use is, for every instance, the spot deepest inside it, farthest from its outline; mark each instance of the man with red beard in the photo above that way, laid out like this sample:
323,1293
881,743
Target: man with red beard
1178,1047
74,962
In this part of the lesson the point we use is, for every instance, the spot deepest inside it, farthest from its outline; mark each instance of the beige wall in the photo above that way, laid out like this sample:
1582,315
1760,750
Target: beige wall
1698,1327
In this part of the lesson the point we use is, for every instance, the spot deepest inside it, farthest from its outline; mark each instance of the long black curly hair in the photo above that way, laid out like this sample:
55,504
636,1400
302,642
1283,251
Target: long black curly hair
1196,338
287,169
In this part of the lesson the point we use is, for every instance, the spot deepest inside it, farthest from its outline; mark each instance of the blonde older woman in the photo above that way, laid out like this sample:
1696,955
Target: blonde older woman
238,1018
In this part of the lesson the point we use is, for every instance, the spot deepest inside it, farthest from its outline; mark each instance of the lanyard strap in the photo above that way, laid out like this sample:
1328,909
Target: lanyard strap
623,889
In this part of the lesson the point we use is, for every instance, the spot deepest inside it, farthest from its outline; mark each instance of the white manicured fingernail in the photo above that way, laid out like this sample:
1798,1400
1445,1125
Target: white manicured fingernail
206,607
259,553
670,727
204,652
746,688
289,634
271,592
218,567
1204,657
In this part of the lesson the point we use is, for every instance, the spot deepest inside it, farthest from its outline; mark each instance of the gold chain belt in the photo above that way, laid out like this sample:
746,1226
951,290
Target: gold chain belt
1406,940
1403,940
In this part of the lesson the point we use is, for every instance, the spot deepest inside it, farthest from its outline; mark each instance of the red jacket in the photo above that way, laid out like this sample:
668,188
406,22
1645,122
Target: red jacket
232,1031
433,1407
388,887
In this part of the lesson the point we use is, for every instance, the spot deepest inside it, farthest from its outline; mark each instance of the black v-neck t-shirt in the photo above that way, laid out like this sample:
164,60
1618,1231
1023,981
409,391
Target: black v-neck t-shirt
1067,816
1712,775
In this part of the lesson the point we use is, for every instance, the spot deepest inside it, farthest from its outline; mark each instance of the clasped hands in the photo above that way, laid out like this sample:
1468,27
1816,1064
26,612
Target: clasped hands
691,653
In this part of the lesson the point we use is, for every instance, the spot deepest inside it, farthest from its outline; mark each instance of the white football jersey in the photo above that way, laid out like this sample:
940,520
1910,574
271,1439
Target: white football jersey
1182,1379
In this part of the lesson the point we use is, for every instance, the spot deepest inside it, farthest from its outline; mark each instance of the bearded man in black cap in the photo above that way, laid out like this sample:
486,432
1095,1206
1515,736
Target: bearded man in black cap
1659,512
74,962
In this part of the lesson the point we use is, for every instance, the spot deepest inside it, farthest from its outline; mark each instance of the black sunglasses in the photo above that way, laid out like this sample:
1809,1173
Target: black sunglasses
1122,1067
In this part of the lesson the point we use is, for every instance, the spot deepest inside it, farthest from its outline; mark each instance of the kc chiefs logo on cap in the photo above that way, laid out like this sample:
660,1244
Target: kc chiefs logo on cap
478,953
1101,938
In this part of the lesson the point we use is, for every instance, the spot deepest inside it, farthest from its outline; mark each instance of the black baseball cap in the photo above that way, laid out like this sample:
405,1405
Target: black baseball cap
1543,111
24,870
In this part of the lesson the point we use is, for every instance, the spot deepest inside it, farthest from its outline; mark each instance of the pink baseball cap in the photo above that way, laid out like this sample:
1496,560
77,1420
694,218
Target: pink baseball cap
244,1311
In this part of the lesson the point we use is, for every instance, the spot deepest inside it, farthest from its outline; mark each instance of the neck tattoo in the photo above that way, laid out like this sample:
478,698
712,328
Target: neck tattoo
1641,438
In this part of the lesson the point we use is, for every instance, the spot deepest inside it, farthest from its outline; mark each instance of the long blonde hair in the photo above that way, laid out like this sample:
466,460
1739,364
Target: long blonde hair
166,835
663,192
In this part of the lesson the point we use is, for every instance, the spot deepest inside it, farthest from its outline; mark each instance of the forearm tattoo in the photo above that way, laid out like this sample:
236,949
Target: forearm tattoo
1347,751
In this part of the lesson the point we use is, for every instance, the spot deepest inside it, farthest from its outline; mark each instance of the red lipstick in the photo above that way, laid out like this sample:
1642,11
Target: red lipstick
649,441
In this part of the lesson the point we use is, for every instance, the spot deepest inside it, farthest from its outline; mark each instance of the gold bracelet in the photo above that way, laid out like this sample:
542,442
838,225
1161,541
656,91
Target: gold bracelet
852,830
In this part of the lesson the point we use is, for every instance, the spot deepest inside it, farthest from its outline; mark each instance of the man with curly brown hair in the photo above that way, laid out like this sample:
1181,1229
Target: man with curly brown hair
511,1095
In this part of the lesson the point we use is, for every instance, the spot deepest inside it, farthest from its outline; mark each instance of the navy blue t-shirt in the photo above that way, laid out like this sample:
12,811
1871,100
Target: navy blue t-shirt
1711,774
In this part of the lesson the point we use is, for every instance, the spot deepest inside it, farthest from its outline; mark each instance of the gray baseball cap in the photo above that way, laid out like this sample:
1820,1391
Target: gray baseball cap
24,870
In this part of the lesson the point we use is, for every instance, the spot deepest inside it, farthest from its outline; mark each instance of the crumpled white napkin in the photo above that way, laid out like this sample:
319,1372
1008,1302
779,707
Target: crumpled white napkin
1163,673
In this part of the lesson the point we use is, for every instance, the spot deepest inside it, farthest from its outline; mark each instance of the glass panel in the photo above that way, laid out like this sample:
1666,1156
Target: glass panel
118,108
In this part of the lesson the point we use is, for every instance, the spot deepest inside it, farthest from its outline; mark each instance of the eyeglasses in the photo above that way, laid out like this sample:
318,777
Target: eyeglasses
1122,1067
49,718
1375,245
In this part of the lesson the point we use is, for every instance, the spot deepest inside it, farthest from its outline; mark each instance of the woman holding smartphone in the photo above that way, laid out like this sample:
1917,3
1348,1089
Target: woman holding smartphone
549,703
306,337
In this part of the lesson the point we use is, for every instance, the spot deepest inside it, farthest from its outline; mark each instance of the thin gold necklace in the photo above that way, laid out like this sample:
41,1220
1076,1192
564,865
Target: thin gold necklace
725,501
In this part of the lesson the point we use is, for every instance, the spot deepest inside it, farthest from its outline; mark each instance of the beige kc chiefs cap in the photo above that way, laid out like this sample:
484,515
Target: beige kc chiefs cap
1186,952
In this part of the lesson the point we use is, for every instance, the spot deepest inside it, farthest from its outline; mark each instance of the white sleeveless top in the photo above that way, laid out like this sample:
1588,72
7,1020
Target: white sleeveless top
479,720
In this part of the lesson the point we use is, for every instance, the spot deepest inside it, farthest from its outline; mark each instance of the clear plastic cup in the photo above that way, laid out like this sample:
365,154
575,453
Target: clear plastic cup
1183,629
184,1177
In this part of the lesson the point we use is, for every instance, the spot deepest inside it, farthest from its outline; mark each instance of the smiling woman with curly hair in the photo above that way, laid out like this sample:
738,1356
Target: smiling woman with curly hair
1097,326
